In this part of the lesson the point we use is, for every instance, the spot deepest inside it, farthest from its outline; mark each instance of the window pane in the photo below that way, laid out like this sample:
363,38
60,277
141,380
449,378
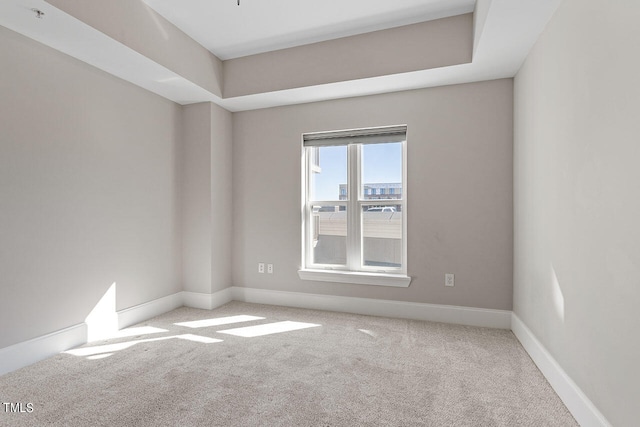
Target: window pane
381,171
381,236
328,174
329,234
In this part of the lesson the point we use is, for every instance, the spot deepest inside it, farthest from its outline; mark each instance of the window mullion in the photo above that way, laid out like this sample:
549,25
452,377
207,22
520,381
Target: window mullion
353,225
307,207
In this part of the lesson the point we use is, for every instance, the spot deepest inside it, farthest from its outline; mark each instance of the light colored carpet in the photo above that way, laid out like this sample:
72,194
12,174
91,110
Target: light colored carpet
351,370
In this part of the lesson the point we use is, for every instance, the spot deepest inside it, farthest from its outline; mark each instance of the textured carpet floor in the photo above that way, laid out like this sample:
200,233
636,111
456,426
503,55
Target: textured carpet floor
349,370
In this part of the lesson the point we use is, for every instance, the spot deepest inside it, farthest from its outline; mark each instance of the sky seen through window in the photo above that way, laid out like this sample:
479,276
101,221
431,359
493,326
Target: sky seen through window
381,163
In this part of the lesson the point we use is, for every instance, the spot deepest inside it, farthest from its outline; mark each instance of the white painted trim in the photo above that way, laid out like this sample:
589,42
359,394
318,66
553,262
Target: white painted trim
27,352
375,307
582,409
221,297
357,277
140,313
197,300
207,301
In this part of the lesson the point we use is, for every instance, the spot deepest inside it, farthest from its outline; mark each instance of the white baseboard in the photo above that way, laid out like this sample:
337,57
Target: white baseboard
206,301
582,409
140,313
374,307
27,352
197,300
31,351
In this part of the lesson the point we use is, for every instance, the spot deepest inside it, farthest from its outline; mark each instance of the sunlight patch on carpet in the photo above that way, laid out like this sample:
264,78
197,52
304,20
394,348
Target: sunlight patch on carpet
368,332
99,356
218,321
198,338
108,348
112,348
140,330
268,329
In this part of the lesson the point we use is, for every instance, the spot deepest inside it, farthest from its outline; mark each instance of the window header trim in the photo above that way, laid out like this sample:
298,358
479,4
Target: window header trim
377,135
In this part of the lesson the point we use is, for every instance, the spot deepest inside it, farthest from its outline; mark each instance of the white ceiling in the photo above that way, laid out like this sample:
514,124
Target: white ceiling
505,32
256,26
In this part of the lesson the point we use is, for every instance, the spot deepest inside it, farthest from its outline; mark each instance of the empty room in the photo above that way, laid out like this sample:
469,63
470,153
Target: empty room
319,213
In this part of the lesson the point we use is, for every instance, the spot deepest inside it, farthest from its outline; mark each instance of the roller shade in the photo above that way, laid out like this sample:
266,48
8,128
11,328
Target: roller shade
356,136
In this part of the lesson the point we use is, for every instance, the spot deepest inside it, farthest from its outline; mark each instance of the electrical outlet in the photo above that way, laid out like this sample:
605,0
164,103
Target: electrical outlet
261,267
449,279
270,268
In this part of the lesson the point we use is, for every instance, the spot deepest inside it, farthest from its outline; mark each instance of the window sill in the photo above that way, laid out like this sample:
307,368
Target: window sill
360,278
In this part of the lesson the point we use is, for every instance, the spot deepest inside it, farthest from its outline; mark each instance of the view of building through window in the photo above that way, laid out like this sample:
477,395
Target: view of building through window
378,191
382,172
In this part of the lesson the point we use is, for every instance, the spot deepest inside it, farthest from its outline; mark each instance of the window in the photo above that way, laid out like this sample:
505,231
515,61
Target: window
348,235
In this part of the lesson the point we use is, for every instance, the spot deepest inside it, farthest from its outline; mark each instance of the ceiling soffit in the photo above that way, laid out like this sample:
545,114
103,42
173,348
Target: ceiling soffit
131,41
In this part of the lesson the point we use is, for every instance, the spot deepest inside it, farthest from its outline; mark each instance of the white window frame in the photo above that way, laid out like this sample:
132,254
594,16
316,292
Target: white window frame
354,271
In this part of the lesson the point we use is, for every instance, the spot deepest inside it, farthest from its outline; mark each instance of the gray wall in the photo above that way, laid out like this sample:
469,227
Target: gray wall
577,204
89,185
459,185
207,195
221,198
196,198
432,44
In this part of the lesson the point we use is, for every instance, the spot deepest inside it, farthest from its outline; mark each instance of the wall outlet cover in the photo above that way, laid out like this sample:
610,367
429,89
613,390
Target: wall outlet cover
449,279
